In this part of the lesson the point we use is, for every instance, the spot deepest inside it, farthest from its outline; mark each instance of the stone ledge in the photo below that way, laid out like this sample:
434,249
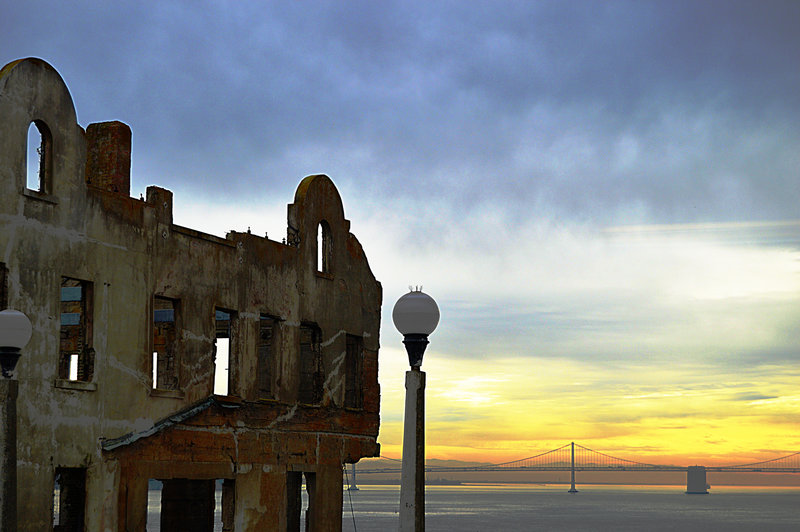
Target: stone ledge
172,394
81,386
41,196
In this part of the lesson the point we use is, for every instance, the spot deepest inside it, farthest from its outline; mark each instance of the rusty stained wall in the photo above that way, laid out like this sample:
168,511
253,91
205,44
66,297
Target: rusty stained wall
213,444
84,225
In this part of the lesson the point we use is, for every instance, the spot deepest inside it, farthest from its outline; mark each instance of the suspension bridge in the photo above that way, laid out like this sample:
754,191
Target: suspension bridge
574,458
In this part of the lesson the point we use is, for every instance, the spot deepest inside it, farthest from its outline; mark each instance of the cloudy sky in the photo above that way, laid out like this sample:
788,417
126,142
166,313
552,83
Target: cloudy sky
603,197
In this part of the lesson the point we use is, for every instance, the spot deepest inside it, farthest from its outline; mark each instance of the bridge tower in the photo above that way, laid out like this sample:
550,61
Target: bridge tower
572,468
696,480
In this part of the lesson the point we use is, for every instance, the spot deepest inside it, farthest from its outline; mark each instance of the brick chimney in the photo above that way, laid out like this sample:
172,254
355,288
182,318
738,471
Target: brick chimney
108,157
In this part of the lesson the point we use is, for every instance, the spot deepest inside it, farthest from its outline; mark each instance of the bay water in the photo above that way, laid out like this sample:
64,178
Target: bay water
534,507
523,507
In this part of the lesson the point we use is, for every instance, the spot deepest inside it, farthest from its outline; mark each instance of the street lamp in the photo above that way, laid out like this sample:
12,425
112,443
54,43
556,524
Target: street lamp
15,331
415,315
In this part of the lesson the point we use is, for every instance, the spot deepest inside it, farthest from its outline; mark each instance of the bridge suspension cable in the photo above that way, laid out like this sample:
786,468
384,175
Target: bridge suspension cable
587,459
527,462
790,462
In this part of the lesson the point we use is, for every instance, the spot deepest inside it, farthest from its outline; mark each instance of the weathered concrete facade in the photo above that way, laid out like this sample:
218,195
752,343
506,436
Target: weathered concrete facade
116,385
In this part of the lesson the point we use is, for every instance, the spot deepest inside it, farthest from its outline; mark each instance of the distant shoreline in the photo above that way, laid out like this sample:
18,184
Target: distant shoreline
448,482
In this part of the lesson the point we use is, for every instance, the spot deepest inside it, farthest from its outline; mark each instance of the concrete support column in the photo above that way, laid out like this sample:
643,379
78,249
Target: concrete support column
696,480
134,487
328,499
9,390
262,499
412,484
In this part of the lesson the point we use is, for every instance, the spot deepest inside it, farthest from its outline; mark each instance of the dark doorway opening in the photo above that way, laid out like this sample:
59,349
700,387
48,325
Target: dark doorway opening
190,505
294,500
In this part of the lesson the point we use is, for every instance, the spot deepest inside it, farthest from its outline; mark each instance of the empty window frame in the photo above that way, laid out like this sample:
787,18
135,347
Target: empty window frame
354,363
223,348
266,356
69,499
3,286
311,377
324,247
40,156
165,343
76,355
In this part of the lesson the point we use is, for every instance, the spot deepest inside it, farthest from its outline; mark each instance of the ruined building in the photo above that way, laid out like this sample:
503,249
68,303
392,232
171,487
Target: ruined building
130,314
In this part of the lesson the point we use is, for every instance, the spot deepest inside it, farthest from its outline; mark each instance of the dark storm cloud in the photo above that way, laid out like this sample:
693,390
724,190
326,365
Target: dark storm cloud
606,111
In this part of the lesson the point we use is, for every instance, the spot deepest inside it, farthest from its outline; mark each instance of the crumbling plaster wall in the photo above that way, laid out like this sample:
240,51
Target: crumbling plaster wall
131,250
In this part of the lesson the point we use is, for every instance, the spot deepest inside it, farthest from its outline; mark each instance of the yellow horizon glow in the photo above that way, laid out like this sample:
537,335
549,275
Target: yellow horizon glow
498,411
690,364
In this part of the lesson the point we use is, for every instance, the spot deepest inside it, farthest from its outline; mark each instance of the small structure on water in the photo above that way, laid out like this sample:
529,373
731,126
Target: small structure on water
696,480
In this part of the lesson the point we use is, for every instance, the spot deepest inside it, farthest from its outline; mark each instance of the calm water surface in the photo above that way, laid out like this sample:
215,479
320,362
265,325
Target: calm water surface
469,508
510,507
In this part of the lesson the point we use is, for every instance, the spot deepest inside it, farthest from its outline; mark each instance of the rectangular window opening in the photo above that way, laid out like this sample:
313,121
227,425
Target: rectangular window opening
354,363
311,376
69,499
155,368
165,343
73,367
266,356
223,349
3,286
76,355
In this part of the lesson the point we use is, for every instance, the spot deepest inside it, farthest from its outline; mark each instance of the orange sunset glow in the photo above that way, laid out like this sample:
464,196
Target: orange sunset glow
668,362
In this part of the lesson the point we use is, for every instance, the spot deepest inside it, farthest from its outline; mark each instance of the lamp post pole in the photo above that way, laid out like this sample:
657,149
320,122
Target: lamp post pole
415,315
15,331
412,482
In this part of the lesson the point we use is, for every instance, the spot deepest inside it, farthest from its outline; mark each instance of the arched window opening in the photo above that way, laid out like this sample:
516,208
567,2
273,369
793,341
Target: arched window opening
324,247
39,156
